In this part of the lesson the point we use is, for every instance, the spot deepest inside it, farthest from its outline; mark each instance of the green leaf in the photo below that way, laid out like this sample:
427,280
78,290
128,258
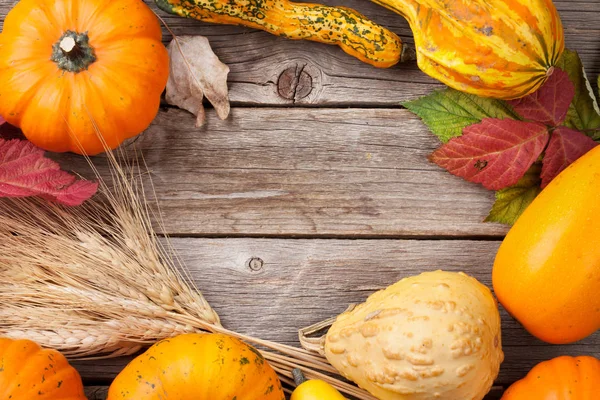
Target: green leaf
448,111
512,201
583,113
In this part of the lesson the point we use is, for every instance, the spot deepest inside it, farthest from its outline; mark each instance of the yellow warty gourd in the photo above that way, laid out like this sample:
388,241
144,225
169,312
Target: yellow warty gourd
431,336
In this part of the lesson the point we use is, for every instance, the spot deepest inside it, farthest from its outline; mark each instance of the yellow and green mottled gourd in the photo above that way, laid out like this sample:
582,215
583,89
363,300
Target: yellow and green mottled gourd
493,48
351,31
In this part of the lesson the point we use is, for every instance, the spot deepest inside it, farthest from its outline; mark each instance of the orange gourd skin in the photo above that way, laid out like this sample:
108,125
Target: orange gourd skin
562,378
198,367
29,372
547,270
492,48
115,88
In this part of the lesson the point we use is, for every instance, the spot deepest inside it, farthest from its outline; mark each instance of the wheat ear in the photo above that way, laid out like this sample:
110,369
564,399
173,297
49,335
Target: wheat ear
96,281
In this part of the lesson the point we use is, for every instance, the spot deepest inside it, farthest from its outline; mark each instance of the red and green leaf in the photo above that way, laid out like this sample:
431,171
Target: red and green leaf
513,200
550,103
24,172
447,112
584,114
495,153
565,146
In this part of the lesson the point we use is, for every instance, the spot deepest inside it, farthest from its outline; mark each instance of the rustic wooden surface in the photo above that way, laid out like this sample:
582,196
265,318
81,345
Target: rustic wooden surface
325,186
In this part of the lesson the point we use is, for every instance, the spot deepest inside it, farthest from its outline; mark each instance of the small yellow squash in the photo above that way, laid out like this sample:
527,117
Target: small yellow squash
313,389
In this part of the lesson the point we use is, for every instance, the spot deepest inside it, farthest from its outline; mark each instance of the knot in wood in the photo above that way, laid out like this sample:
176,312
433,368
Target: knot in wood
294,83
255,264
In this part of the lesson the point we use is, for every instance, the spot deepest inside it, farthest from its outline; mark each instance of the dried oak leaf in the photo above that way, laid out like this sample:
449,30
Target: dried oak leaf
565,147
495,152
550,103
24,172
196,72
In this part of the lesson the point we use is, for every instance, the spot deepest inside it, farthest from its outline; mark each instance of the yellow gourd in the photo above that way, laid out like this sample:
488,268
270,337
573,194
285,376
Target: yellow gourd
547,270
431,336
494,48
313,389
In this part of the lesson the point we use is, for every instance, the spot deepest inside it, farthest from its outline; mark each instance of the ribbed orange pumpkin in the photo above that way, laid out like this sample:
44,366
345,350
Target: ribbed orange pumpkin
562,378
493,48
69,66
198,367
29,372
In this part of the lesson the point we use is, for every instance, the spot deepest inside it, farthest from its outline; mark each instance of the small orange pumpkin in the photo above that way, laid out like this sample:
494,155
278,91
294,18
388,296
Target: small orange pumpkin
198,367
29,372
562,378
71,69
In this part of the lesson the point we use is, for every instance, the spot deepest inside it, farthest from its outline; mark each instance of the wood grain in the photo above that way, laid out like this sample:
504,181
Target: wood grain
306,172
100,393
295,283
258,59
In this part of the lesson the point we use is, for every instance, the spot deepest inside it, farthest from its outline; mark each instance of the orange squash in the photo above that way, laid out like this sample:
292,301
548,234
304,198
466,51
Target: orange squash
198,367
70,68
493,48
562,378
29,372
547,270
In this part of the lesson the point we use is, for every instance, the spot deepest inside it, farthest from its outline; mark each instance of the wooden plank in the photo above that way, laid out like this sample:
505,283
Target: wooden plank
258,59
96,392
306,172
100,393
295,283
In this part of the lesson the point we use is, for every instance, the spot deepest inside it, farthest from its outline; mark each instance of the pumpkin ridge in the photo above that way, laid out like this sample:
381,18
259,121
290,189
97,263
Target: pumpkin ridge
97,10
16,111
59,370
14,350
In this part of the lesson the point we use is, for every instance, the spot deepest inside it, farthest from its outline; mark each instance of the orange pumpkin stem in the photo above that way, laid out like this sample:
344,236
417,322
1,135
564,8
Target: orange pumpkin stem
73,52
68,44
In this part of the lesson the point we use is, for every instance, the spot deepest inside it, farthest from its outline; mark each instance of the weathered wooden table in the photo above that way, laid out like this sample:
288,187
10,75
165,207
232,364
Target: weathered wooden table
317,190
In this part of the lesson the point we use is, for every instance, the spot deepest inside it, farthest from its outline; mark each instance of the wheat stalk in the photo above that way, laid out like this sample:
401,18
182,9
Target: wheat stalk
95,281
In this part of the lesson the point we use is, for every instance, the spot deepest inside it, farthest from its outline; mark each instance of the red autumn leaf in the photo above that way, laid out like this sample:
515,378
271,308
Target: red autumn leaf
566,146
550,103
24,171
495,152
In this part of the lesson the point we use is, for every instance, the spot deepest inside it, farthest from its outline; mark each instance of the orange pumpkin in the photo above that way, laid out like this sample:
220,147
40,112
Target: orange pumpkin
562,378
72,68
29,372
198,367
547,270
